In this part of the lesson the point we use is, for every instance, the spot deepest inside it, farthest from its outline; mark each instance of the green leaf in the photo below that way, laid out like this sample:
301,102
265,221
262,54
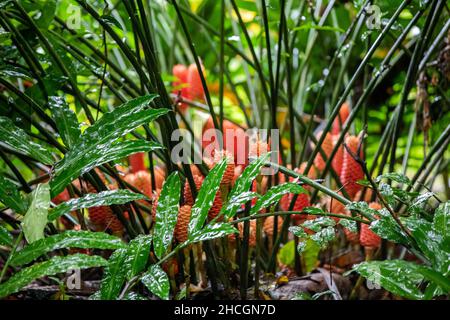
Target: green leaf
138,254
349,224
434,277
10,196
310,255
324,237
363,207
387,193
18,140
243,184
298,231
133,296
387,228
441,220
397,276
216,230
274,194
206,196
5,237
104,198
114,275
51,267
98,157
166,214
243,197
286,255
156,280
35,219
432,244
419,203
400,178
65,119
97,143
318,223
67,239
314,211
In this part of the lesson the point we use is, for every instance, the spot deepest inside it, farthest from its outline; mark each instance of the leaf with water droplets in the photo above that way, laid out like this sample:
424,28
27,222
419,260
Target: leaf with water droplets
212,231
65,119
5,237
10,196
104,198
35,219
243,184
19,140
68,239
97,144
138,254
274,194
166,214
48,268
156,280
206,196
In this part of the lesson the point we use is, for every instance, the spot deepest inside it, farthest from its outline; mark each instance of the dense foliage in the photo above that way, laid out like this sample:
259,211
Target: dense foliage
105,108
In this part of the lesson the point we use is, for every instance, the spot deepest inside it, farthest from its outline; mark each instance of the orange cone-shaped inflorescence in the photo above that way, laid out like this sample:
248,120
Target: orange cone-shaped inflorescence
216,207
229,171
181,228
327,147
187,194
268,226
233,139
195,89
137,162
344,112
252,233
187,83
351,170
338,158
302,200
368,238
155,198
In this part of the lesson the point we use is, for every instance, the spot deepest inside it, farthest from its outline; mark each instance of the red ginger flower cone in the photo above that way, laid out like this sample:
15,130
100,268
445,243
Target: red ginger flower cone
252,233
302,200
195,87
188,199
237,173
351,170
104,218
327,147
268,225
62,197
368,238
258,148
234,140
180,85
216,207
137,162
141,180
338,158
344,112
155,198
229,171
217,204
181,228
